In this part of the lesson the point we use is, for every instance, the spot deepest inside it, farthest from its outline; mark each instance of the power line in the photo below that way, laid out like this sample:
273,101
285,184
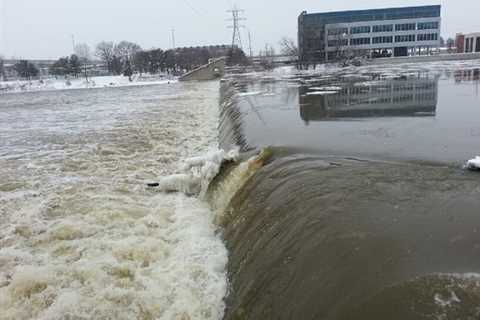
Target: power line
193,8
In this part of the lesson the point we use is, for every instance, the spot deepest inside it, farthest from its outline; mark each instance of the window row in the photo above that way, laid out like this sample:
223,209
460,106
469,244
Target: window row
405,38
405,27
427,25
427,37
337,31
382,39
359,41
384,28
362,29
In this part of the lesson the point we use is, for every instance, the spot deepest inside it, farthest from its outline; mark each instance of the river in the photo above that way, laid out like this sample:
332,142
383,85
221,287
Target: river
349,199
81,237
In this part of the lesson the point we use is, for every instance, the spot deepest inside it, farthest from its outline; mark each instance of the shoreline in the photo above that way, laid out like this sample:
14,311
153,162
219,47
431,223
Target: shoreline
77,84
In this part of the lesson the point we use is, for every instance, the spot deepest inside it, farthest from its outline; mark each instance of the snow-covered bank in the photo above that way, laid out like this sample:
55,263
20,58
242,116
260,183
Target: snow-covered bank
79,83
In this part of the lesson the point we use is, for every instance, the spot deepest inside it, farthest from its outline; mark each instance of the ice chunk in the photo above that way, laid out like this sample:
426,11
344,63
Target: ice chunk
474,164
196,173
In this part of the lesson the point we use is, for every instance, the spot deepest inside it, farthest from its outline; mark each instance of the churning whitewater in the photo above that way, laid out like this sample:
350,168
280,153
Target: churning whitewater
81,235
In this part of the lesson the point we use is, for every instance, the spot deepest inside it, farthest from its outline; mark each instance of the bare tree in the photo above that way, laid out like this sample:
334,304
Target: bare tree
288,47
450,45
105,51
267,57
127,50
83,52
2,69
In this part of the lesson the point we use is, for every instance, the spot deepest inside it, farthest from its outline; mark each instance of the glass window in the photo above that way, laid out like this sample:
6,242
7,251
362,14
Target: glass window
383,28
362,29
359,41
382,39
427,37
405,27
427,25
337,31
405,38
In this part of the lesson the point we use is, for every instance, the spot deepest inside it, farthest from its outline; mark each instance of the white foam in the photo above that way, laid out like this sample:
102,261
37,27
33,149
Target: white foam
81,237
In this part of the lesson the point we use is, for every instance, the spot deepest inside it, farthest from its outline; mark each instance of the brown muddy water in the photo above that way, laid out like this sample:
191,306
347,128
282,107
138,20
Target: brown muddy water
359,208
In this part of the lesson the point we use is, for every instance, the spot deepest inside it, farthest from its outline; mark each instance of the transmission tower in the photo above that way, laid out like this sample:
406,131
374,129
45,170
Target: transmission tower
236,19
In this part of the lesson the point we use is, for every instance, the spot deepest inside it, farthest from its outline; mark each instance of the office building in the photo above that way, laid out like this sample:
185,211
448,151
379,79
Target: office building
374,33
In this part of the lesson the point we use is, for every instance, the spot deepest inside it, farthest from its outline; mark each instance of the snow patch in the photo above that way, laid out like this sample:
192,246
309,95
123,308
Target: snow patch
80,83
320,93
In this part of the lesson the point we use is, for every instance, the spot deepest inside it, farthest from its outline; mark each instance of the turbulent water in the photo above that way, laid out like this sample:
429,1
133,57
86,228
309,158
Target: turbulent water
81,237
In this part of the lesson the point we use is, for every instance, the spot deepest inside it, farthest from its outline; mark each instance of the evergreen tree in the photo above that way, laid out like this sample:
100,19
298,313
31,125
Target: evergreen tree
128,72
61,67
75,65
26,69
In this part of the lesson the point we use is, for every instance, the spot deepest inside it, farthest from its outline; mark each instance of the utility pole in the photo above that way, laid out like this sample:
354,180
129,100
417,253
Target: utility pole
250,43
173,39
236,18
3,26
73,43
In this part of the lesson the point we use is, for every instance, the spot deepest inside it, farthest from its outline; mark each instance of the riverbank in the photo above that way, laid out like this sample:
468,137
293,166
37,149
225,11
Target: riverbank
78,83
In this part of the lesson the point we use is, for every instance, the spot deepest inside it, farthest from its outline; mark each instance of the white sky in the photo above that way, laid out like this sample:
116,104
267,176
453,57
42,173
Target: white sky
43,28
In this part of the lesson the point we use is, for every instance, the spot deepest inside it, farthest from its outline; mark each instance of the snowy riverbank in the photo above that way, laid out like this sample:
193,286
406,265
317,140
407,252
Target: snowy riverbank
79,83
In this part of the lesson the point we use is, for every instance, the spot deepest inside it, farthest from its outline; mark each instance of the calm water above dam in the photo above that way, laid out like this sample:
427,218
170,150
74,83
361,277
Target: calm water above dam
406,113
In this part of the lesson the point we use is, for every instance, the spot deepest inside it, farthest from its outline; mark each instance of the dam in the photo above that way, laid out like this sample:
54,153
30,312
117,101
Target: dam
358,207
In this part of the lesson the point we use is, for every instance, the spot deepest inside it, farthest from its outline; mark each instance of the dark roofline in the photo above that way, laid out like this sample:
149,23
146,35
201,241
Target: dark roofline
379,10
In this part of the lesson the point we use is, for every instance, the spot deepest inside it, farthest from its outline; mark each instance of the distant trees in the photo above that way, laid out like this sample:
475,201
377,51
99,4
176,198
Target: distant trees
84,55
117,58
61,67
26,69
128,58
75,65
2,69
450,45
236,56
267,57
105,51
66,66
126,50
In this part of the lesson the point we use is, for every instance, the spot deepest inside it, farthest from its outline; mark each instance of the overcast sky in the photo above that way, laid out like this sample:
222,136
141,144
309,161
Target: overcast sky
44,28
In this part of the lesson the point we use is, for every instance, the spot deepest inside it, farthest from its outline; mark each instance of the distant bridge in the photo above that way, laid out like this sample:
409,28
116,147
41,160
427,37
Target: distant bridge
277,59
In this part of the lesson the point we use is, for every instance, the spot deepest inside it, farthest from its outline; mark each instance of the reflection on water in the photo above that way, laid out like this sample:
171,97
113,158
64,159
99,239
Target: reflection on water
467,75
388,98
411,113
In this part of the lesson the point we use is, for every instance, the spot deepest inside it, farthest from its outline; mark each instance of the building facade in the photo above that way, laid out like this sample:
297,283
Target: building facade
375,33
468,43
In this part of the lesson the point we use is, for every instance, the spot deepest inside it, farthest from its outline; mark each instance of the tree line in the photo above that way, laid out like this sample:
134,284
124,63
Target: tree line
126,58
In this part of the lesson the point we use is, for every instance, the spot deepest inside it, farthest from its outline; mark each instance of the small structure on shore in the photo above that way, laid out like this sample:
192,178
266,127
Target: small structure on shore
214,69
